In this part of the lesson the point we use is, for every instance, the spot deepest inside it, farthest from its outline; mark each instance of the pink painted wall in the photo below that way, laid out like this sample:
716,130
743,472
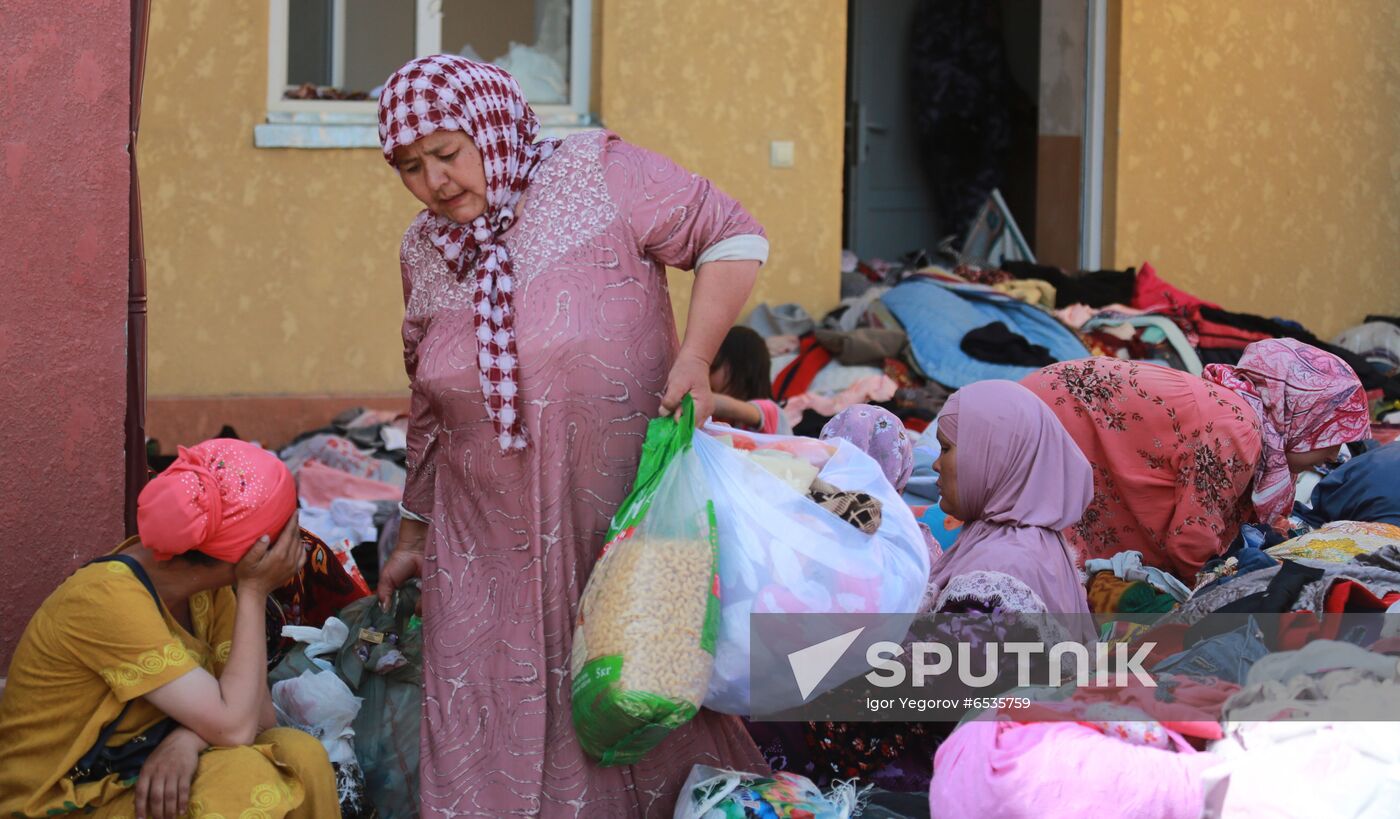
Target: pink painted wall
65,71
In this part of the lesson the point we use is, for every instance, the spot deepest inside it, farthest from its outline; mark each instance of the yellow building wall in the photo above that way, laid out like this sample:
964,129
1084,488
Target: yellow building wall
276,271
712,84
269,271
1259,153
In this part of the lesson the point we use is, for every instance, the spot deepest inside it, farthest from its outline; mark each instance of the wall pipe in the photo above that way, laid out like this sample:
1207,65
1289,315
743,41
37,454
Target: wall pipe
136,469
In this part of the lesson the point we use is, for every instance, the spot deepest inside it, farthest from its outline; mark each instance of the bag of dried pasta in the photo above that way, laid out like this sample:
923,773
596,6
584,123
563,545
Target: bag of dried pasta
644,641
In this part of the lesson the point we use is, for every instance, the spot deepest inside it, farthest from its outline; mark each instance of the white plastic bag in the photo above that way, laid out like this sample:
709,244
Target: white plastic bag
321,704
781,552
717,793
329,637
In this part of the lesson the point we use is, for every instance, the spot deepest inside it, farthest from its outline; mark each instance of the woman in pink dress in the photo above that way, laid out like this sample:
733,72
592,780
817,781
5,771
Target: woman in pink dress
1180,462
539,340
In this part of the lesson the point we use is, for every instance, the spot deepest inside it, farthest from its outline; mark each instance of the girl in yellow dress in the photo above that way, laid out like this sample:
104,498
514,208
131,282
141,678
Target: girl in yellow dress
139,687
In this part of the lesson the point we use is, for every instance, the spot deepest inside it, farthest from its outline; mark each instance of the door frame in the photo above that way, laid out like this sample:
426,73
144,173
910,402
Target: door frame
1091,183
1098,158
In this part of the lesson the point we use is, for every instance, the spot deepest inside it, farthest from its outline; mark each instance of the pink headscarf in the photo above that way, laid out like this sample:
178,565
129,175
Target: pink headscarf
446,93
217,498
1020,480
1306,399
878,433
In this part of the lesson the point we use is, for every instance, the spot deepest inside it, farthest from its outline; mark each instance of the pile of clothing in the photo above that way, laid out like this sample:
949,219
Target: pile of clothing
356,683
859,354
1277,734
962,332
365,707
1137,314
903,339
905,336
350,476
1276,677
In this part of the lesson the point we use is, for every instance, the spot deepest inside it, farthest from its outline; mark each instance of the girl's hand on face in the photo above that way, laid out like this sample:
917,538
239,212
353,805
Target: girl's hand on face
266,567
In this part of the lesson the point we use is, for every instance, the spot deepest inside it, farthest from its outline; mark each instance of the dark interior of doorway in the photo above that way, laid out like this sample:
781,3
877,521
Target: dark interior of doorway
942,106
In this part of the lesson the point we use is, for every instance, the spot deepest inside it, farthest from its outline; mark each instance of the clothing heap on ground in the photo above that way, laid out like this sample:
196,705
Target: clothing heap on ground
350,478
931,330
1333,553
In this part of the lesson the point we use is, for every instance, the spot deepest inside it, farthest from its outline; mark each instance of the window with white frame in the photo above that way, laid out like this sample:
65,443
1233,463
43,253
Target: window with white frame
328,58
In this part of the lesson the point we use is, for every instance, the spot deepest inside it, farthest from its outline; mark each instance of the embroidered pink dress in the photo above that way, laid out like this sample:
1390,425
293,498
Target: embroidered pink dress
514,537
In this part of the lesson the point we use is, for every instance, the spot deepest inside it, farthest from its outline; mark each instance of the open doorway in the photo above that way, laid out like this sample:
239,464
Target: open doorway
950,99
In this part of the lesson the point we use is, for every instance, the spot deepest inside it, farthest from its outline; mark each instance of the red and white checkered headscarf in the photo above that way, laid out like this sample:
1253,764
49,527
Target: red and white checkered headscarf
446,93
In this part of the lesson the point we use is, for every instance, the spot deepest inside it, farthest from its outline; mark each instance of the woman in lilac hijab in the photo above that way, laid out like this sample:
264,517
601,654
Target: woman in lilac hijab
1014,476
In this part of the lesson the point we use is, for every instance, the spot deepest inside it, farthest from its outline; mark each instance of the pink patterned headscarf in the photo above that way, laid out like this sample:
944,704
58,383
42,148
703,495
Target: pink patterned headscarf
217,498
1020,480
446,93
1306,399
878,433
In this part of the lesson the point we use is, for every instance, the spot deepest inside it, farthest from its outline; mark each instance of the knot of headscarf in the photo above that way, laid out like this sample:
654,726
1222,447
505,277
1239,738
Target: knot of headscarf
447,93
218,497
878,433
1305,398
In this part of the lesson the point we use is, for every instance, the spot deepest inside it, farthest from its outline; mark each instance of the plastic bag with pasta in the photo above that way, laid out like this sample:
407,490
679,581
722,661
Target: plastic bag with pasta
644,642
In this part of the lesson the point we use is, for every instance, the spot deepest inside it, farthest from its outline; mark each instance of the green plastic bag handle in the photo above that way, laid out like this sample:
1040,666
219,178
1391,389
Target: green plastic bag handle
666,438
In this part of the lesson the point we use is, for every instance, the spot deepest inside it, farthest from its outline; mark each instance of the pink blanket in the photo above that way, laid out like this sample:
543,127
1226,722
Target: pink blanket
1004,770
318,485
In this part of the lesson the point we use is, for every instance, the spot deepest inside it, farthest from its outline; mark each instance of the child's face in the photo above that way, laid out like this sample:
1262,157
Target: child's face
719,379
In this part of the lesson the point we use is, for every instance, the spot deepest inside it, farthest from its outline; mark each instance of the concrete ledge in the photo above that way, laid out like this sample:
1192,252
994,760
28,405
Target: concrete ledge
305,135
342,135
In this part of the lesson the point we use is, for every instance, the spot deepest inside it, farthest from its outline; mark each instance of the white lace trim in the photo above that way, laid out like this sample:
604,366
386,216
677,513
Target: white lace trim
992,589
567,206
433,287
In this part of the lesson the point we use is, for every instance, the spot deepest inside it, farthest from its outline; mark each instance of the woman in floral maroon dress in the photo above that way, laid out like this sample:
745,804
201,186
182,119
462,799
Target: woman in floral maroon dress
1180,462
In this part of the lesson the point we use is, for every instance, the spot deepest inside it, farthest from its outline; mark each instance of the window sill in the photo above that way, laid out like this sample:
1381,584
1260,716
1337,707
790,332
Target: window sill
356,130
308,135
